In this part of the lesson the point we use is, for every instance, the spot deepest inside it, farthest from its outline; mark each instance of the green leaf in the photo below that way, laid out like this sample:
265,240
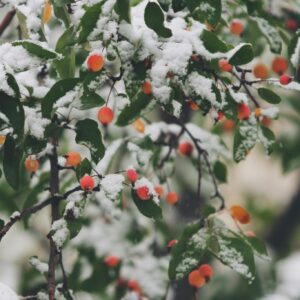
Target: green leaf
89,135
270,33
242,56
269,139
2,223
206,10
122,8
88,21
269,96
188,251
61,12
178,5
149,208
66,41
90,99
36,50
66,67
258,247
220,171
85,167
58,90
133,111
154,19
74,226
212,43
11,162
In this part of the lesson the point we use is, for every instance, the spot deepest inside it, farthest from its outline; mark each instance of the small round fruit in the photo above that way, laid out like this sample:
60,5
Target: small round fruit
224,65
31,164
291,24
243,111
206,271
237,27
195,279
192,105
195,57
112,261
159,191
47,12
143,193
87,183
172,243
220,116
285,79
172,198
134,285
279,65
95,62
132,175
139,125
73,159
240,214
257,112
147,88
185,148
260,71
266,121
228,125
105,115
2,139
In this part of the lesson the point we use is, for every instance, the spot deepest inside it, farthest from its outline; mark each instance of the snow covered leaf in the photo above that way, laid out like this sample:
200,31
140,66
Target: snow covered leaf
242,56
36,50
133,111
154,19
212,43
149,208
268,139
294,54
61,12
186,254
112,186
88,21
89,135
58,90
122,8
270,33
220,171
206,10
11,162
258,247
269,95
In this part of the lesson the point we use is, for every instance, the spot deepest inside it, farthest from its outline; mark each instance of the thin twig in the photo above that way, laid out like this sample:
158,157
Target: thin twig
7,20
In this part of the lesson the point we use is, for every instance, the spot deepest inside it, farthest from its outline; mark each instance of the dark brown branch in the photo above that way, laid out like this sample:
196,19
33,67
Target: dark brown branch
7,20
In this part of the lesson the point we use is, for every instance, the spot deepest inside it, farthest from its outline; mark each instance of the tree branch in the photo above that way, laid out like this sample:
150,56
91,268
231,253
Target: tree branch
7,20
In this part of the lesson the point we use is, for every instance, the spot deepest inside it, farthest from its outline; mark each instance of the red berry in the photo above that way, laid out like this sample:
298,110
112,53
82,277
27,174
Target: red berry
224,65
147,88
243,111
105,115
220,116
260,71
87,183
195,279
112,261
279,65
159,191
132,175
143,193
206,271
172,243
31,164
291,24
185,148
134,285
73,158
95,62
172,198
285,79
236,27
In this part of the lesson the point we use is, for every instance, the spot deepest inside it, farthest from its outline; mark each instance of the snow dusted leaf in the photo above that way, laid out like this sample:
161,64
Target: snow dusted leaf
154,19
42,267
36,50
206,10
88,21
269,95
187,253
58,90
134,110
12,158
89,135
267,138
258,247
59,232
270,33
241,55
212,43
122,7
294,54
112,185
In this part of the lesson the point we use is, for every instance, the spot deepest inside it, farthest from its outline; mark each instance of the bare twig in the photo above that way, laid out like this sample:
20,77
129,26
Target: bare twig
7,20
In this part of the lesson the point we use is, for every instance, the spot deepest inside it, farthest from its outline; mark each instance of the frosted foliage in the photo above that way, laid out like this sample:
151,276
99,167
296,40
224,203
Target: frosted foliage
112,185
60,232
295,58
38,265
189,261
7,293
140,155
3,82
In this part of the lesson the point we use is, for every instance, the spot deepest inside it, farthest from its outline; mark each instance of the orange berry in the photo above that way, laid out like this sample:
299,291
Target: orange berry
134,285
291,24
143,193
147,88
240,214
172,243
73,159
279,65
243,111
31,164
266,121
2,139
139,125
47,12
224,65
132,175
193,105
228,125
112,261
95,62
87,183
195,279
285,79
185,148
159,191
237,27
260,71
105,115
172,198
220,116
257,112
206,271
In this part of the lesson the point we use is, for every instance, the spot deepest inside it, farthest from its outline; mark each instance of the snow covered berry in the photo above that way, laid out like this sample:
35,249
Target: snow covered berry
143,193
87,183
105,115
73,159
31,164
95,62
